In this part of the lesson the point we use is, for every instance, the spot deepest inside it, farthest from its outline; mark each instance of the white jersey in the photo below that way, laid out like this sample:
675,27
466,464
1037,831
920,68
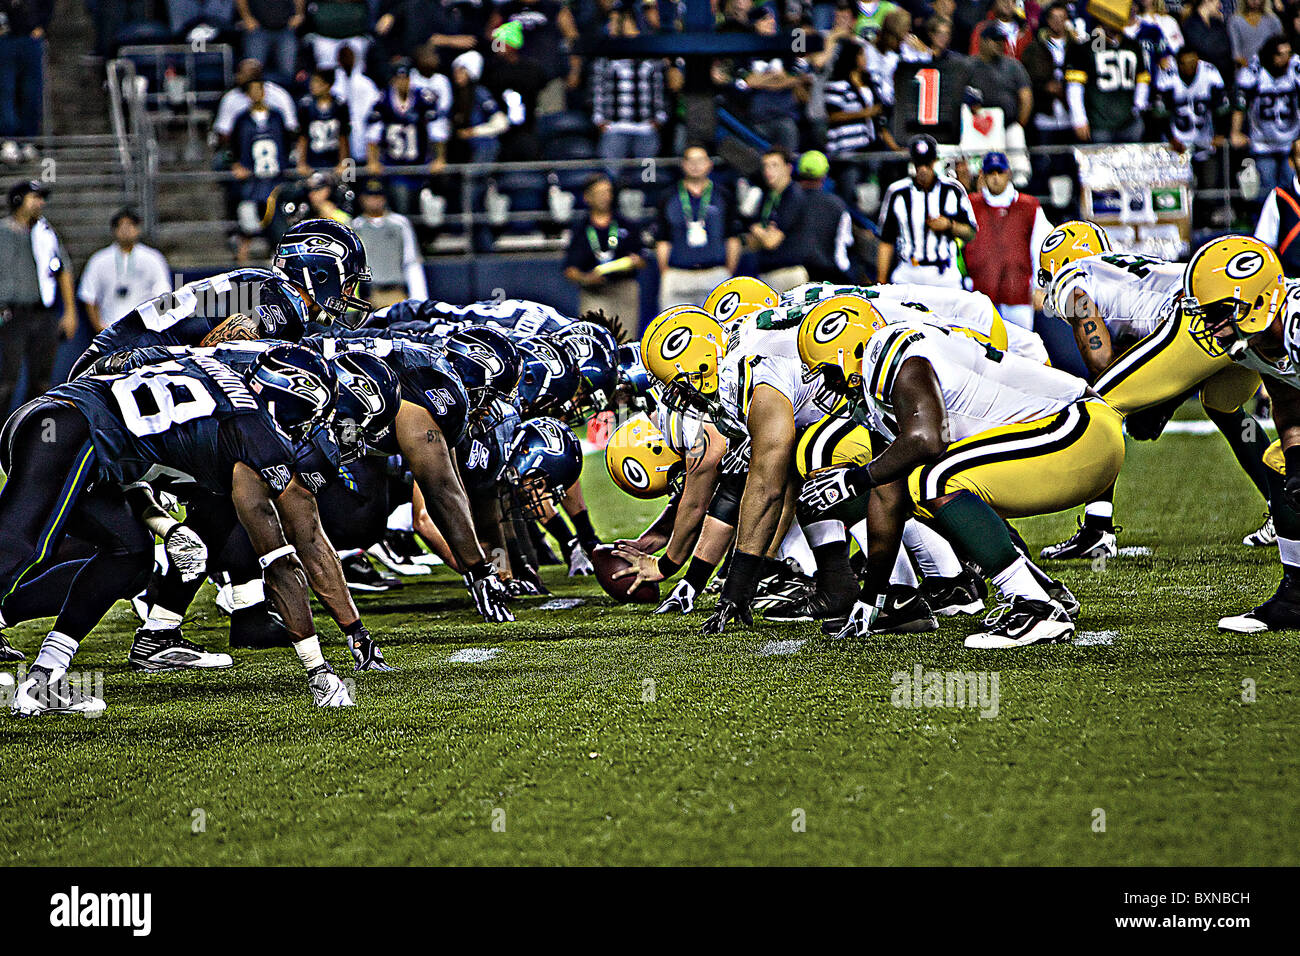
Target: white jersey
1192,106
982,388
1134,295
1271,104
950,308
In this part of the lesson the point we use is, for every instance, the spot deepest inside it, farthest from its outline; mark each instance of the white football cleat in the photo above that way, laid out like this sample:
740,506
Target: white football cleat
166,650
1263,537
38,696
327,689
393,561
1023,622
579,563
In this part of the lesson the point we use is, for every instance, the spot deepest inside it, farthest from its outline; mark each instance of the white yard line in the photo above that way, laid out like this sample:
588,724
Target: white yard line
473,655
1136,551
1093,638
774,648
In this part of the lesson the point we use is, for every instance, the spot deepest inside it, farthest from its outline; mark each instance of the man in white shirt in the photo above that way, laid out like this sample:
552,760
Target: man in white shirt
396,266
122,275
236,101
359,91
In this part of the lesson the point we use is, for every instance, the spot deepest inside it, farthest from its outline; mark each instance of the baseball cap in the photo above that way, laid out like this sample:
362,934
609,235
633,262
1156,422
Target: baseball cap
923,149
511,34
19,190
996,163
813,164
373,186
402,67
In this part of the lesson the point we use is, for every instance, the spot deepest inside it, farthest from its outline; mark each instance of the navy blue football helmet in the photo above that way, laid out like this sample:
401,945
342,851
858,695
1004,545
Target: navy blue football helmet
594,351
549,380
369,396
542,460
487,362
297,386
326,260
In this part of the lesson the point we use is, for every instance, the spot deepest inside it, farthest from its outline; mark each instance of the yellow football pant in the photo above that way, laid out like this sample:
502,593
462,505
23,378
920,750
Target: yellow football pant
1030,468
834,440
1168,363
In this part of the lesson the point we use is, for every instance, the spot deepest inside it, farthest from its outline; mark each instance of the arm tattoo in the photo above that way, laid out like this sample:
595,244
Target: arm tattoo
238,328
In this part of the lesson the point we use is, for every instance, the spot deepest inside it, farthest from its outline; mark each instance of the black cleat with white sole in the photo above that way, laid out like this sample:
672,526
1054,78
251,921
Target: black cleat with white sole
817,606
950,596
1090,541
8,653
903,611
1281,612
166,650
361,575
1021,623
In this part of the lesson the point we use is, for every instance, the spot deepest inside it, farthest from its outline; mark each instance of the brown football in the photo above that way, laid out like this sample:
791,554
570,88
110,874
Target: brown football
607,563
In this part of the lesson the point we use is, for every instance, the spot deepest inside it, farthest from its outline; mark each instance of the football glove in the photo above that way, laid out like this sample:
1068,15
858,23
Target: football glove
579,563
680,601
186,551
834,487
518,587
727,611
365,650
859,623
489,593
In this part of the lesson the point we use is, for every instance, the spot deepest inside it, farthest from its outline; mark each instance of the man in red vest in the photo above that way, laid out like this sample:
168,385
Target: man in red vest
1000,259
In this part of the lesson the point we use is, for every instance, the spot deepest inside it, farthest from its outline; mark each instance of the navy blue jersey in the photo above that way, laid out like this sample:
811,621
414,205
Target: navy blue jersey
323,128
519,316
481,453
188,315
181,424
402,128
261,144
426,377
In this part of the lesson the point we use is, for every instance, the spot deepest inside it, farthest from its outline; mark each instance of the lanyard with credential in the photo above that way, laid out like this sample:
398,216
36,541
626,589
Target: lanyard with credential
593,240
685,199
770,206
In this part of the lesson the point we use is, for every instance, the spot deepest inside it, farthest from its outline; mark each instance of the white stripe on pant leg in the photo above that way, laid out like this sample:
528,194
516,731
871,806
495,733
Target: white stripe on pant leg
931,550
948,465
859,532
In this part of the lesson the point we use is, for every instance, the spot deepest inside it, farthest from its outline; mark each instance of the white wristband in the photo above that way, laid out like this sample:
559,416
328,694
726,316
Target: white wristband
271,557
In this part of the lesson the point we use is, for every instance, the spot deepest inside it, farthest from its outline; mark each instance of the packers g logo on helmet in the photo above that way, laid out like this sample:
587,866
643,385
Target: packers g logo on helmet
735,298
1076,239
685,345
640,460
1231,285
833,338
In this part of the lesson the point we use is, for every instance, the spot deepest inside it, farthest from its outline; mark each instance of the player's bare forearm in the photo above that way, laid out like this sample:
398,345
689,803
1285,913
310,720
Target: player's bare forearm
922,423
771,430
237,328
1094,344
1286,413
884,262
691,510
284,578
301,519
431,461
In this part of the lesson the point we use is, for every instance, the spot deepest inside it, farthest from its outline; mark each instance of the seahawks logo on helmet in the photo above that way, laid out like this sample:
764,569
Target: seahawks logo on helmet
1244,265
830,326
635,474
675,342
551,434
313,243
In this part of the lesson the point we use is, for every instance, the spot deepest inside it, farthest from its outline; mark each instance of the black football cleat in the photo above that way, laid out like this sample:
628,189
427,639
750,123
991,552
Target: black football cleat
817,606
950,596
166,650
256,628
1089,542
8,653
904,611
1281,612
1021,623
361,575
1063,596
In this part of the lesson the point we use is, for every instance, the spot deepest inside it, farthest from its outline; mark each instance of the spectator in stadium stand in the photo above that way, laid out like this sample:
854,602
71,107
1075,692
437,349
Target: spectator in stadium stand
1267,116
827,224
603,259
936,34
1008,19
1002,257
1002,83
322,199
871,17
396,265
1044,63
852,109
406,25
35,272
1206,32
123,274
359,92
922,217
1192,101
628,105
22,75
1279,219
270,35
778,235
549,38
336,24
1107,84
697,233
236,101
884,52
428,79
770,86
1250,26
260,143
1152,15
324,127
515,81
476,116
184,15
402,131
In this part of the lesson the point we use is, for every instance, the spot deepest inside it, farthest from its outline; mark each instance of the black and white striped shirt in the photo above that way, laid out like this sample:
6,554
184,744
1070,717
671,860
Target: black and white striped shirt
842,96
628,92
903,214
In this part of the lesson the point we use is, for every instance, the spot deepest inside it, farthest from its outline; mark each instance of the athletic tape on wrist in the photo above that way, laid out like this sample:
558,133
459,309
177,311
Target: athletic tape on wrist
271,557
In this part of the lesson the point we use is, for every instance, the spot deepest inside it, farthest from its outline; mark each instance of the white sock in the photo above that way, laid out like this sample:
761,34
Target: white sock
400,519
819,533
308,651
903,572
795,545
161,619
934,555
56,653
1100,509
1288,549
1016,580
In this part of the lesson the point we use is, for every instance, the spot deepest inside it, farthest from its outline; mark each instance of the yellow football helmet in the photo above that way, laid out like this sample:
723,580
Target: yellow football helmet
736,298
640,460
685,346
1069,241
832,340
1232,289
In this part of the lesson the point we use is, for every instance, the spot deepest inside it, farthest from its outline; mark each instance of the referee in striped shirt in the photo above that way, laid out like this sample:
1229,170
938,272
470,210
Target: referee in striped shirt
922,219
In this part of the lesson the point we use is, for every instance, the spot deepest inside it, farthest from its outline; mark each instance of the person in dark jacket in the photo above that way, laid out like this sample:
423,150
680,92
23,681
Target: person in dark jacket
828,228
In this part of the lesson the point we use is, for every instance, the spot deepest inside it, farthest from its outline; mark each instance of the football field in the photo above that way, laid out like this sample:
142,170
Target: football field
600,734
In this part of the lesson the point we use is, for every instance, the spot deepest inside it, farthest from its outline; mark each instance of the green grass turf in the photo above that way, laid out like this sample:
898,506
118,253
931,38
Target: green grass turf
552,740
